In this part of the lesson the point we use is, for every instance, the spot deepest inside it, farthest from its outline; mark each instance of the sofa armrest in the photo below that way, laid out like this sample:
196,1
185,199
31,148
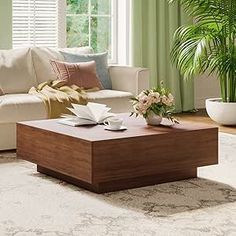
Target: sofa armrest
129,79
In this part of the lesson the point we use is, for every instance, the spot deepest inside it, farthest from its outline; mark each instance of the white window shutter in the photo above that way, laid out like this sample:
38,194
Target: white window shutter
35,23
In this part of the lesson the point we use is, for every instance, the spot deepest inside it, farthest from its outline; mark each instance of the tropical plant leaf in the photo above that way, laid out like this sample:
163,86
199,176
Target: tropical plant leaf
208,45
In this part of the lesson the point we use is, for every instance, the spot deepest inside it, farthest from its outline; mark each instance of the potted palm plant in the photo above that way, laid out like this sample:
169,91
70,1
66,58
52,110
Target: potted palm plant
208,46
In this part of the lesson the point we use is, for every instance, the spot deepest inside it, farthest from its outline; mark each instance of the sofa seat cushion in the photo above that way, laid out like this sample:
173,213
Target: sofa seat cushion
21,107
118,101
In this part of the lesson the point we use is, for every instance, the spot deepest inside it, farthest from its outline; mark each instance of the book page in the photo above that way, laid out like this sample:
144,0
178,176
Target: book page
76,122
92,111
105,116
97,110
81,111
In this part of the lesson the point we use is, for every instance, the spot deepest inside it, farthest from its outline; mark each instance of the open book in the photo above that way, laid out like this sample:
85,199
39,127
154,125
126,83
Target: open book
90,114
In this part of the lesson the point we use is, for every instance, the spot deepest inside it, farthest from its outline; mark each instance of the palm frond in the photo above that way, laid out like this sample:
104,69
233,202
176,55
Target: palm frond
209,43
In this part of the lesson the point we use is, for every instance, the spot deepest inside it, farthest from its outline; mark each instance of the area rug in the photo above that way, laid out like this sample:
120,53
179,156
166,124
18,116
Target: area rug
33,204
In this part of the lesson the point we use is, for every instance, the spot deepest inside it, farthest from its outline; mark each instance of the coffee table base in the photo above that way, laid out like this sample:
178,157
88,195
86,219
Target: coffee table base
124,183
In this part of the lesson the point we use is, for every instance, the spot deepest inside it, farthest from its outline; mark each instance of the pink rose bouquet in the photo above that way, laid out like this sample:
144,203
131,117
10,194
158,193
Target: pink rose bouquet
158,101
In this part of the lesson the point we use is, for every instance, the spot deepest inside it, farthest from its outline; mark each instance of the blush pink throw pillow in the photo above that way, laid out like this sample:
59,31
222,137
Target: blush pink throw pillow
81,74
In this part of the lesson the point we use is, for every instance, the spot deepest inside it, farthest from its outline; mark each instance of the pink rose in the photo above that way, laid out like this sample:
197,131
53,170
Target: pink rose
141,95
140,108
165,100
171,98
154,97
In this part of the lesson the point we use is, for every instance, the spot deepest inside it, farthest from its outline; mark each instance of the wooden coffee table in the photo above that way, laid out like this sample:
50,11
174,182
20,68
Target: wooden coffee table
103,161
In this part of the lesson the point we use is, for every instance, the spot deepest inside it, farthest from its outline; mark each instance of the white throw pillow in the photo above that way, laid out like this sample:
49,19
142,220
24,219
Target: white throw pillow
41,59
17,74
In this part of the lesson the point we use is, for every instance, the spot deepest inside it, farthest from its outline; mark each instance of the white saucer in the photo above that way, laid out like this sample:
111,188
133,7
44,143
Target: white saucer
112,129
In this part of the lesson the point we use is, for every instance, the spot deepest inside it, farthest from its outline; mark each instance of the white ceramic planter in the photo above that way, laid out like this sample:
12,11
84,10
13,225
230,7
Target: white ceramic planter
221,112
153,119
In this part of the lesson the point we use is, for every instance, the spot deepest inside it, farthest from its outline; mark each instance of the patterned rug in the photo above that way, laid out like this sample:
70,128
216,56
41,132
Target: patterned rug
32,204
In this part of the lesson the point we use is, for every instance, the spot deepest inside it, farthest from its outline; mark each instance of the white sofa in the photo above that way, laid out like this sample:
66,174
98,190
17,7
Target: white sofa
20,69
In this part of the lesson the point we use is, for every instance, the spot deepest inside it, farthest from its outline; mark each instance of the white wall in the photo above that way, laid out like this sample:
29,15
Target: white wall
205,87
5,24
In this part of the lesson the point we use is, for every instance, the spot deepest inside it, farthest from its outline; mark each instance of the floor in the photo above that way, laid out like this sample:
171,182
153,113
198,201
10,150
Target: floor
32,204
201,117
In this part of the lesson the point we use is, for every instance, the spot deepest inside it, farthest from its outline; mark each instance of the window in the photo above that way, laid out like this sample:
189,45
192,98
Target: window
93,23
74,23
35,23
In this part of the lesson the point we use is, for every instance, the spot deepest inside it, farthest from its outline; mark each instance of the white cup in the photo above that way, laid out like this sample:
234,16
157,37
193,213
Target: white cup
114,122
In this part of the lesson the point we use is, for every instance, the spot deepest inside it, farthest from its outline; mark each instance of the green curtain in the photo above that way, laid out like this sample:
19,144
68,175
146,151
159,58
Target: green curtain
154,23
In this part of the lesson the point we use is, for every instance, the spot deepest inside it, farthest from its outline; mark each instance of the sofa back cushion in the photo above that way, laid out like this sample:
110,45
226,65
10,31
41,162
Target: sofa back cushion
101,60
41,59
17,73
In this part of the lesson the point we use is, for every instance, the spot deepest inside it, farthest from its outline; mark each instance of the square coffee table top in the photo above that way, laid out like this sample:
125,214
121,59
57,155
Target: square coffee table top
136,127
